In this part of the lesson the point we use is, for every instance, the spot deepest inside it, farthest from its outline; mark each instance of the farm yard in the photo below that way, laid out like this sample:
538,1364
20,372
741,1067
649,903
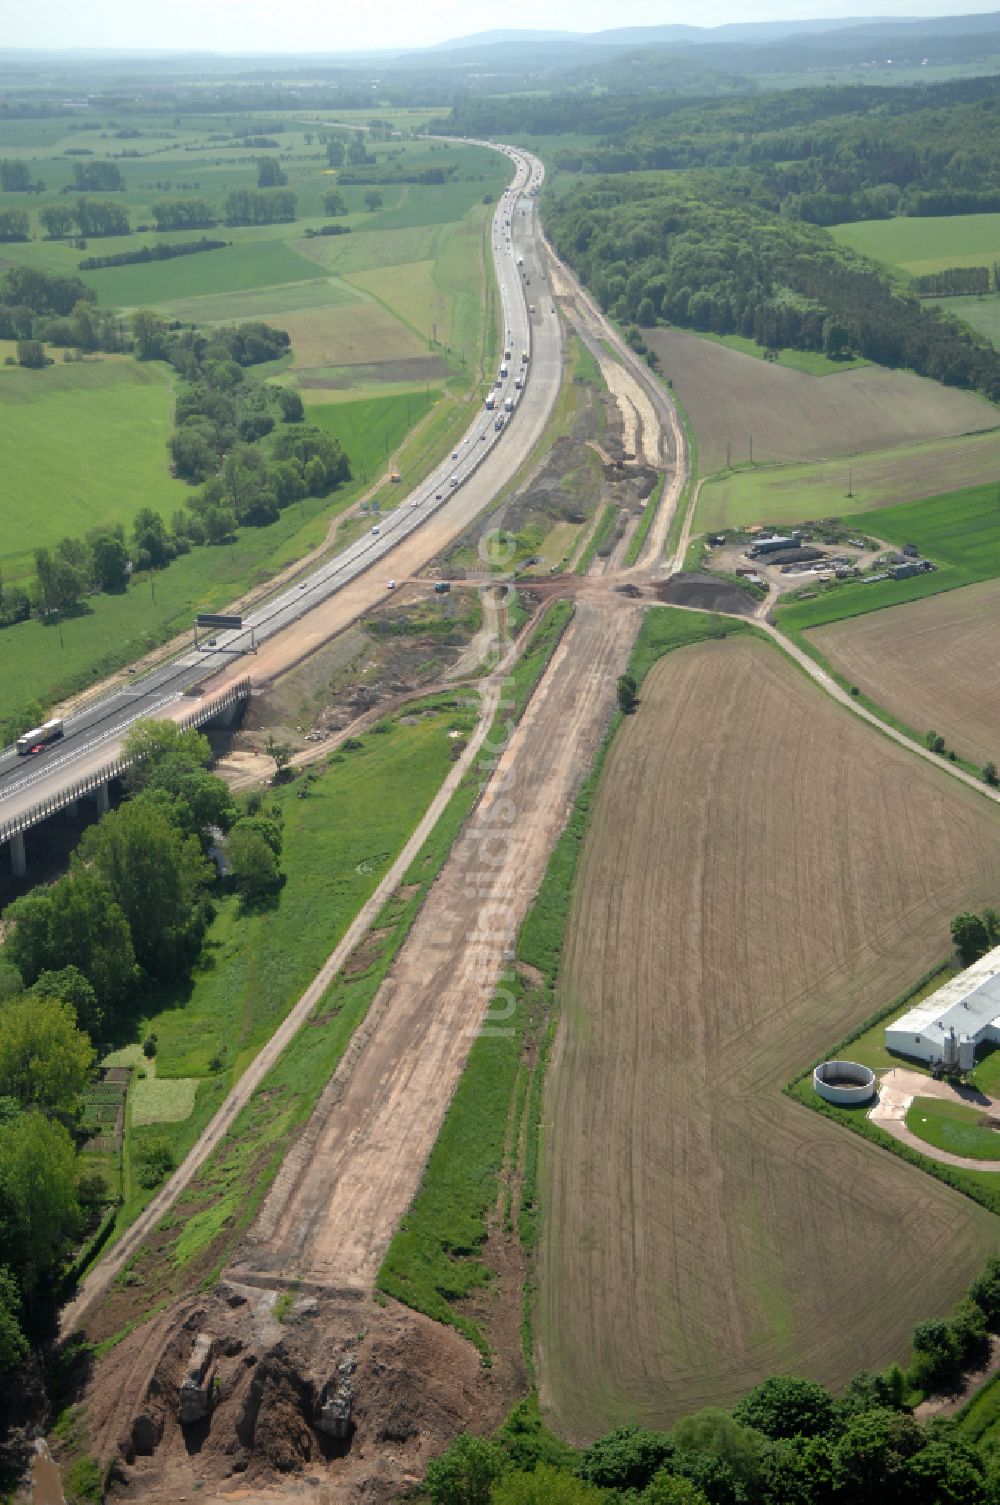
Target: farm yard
878,478
923,662
702,1230
794,416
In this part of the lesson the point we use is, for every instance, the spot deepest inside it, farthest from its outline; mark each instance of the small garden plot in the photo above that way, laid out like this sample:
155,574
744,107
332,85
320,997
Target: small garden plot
955,1128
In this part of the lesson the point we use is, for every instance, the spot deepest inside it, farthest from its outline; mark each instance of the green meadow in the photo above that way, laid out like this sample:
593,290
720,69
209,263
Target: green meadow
338,842
82,445
918,245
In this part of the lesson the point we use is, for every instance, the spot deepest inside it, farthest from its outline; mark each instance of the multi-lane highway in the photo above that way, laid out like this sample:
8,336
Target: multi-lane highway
460,488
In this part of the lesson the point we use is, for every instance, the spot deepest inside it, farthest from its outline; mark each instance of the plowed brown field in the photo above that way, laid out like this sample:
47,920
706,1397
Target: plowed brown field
924,662
729,396
761,873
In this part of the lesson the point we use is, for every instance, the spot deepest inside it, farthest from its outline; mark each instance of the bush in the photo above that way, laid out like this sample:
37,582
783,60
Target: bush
155,1160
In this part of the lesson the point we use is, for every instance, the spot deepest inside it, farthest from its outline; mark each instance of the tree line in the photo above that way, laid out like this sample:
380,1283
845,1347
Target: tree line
80,956
788,1442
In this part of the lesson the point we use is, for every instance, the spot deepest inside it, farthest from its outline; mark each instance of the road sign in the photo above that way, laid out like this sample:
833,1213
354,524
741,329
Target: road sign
217,619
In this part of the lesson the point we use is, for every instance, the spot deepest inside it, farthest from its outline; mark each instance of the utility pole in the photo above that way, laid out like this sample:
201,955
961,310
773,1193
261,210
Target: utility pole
850,482
729,453
751,449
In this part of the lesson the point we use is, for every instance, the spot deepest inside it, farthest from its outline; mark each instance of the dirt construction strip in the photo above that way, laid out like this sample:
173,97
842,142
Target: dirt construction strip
109,1267
644,404
896,1091
341,1193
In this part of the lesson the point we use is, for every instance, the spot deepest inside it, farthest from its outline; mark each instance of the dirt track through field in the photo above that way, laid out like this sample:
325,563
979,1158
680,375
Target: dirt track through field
762,872
341,1193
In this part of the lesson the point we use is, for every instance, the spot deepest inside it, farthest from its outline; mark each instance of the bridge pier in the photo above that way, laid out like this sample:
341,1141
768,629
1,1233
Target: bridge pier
101,796
18,860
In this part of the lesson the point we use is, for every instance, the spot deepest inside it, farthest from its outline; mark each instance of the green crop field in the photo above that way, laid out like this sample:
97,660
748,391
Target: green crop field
236,268
81,445
918,245
958,531
878,478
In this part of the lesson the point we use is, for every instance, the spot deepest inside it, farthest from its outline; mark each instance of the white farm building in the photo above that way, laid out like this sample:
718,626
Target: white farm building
950,1025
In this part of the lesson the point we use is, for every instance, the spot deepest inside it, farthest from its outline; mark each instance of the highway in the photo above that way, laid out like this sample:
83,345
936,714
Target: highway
460,488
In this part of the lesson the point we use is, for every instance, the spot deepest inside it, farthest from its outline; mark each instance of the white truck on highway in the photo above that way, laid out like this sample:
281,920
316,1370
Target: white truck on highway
39,738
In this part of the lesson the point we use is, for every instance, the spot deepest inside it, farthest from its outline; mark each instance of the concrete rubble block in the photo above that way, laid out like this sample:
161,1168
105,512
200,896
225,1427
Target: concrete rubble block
196,1396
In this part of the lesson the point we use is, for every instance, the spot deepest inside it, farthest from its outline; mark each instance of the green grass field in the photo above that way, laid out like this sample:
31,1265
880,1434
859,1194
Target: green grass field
921,245
958,531
952,1127
234,269
982,314
81,445
812,362
819,488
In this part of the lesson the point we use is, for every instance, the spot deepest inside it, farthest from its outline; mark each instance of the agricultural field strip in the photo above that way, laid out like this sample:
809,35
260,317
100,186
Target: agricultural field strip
359,557
709,1310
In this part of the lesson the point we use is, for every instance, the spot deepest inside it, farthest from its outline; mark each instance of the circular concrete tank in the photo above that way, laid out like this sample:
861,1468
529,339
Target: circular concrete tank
844,1082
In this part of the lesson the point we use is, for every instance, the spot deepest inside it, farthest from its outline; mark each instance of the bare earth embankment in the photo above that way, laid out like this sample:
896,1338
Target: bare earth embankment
761,873
925,663
729,396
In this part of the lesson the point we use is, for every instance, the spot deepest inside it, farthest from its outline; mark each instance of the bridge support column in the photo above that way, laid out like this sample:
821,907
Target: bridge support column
18,860
101,795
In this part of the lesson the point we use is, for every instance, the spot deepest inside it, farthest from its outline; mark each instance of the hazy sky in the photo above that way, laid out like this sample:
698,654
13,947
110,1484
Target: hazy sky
340,25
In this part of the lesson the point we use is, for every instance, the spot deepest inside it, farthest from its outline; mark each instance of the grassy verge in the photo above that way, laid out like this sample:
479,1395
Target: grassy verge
598,538
645,522
437,1258
979,1421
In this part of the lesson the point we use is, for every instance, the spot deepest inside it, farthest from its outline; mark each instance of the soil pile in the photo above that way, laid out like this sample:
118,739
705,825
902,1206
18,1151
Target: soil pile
344,1394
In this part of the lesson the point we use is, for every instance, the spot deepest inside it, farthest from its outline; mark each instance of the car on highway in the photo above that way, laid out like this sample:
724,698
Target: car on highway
376,529
390,585
454,481
454,454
